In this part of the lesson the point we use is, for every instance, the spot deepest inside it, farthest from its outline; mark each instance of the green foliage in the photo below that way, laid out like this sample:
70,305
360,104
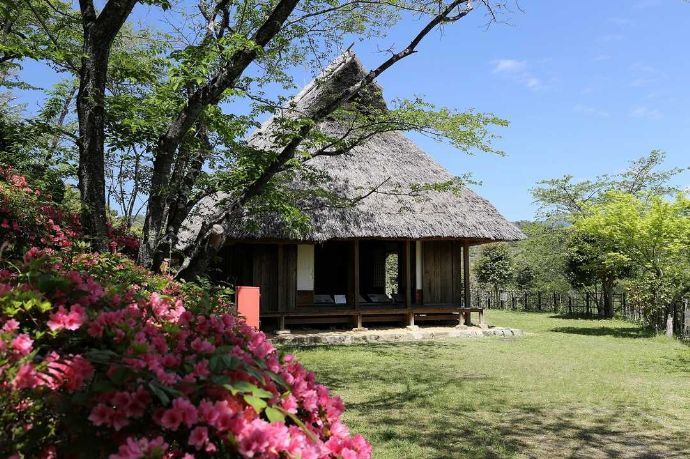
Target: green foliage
151,75
494,266
563,198
539,260
649,236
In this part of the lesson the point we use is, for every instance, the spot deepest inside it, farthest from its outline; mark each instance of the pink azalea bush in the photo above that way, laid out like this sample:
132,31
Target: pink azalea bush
101,358
28,218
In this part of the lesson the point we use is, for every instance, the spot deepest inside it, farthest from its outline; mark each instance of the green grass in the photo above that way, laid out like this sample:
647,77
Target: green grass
570,388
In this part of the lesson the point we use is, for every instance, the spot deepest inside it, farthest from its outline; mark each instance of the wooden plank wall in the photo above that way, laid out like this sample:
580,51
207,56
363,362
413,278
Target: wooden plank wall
274,269
442,272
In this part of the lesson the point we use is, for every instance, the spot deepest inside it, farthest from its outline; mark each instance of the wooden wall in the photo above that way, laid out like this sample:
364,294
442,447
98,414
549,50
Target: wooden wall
273,267
442,272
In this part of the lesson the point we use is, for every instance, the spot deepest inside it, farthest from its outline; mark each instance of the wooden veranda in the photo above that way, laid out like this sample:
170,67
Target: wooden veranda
431,280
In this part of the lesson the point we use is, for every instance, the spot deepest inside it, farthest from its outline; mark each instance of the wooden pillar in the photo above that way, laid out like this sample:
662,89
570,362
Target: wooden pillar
282,287
355,273
466,274
407,275
408,283
419,270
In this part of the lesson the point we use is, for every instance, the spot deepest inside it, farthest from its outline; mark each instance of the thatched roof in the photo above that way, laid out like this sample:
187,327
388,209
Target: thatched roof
388,158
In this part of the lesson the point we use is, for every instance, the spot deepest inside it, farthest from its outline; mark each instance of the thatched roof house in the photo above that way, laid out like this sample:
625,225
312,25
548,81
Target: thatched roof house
376,249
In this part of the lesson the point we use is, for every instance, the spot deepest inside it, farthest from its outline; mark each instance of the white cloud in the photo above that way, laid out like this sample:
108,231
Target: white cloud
602,57
645,75
611,37
621,22
509,66
643,4
642,111
517,71
590,111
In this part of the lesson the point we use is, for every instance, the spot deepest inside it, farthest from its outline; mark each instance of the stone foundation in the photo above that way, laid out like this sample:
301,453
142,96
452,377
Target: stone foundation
395,335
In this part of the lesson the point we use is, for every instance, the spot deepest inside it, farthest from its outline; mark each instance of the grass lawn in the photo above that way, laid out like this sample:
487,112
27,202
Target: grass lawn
570,388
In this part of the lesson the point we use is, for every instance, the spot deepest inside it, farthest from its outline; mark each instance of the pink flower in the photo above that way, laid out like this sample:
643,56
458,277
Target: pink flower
26,377
32,253
202,346
137,448
289,404
22,344
263,439
10,326
182,410
71,320
198,437
201,369
100,415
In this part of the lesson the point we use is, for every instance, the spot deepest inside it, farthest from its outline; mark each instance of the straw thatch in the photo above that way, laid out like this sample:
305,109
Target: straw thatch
388,162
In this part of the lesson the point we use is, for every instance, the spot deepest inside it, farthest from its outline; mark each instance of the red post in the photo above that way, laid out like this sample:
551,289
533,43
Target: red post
248,301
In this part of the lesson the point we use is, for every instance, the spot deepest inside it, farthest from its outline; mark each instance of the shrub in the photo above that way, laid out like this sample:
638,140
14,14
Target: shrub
29,217
101,358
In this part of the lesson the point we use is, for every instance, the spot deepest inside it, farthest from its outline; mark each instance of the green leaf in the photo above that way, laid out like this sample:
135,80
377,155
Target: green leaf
220,379
274,414
101,356
248,388
160,393
255,402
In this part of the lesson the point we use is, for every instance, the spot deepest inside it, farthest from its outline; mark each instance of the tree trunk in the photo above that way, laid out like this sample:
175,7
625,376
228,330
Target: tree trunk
99,33
206,95
91,114
669,321
607,293
177,205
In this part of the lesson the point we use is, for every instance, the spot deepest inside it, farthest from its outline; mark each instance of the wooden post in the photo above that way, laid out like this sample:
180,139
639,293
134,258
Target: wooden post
355,260
407,276
466,281
466,274
281,278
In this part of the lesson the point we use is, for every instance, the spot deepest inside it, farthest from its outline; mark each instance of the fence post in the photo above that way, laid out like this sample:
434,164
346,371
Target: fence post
686,318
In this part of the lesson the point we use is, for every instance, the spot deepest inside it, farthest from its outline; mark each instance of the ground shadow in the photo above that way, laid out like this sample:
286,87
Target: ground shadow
408,411
576,316
616,332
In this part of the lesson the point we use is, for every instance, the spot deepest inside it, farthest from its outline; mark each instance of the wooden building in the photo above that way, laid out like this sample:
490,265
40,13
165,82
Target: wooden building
398,252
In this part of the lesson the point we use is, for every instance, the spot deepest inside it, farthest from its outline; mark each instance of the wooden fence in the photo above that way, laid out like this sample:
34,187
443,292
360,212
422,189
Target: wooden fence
578,303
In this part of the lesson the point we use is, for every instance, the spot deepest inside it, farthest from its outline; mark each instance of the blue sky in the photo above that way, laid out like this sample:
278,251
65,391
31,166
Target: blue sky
586,86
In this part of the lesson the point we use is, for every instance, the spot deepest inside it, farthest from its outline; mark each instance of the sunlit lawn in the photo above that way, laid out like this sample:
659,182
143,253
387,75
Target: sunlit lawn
570,388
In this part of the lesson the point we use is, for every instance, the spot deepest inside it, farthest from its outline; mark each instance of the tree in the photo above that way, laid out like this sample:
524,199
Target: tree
173,116
589,263
563,201
562,198
650,235
494,266
539,260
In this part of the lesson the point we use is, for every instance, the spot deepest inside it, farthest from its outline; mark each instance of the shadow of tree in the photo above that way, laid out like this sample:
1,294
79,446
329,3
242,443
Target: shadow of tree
616,332
416,412
577,316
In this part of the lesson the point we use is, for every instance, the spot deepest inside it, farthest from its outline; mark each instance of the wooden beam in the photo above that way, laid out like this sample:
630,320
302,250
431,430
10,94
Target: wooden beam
282,286
355,262
407,274
466,274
